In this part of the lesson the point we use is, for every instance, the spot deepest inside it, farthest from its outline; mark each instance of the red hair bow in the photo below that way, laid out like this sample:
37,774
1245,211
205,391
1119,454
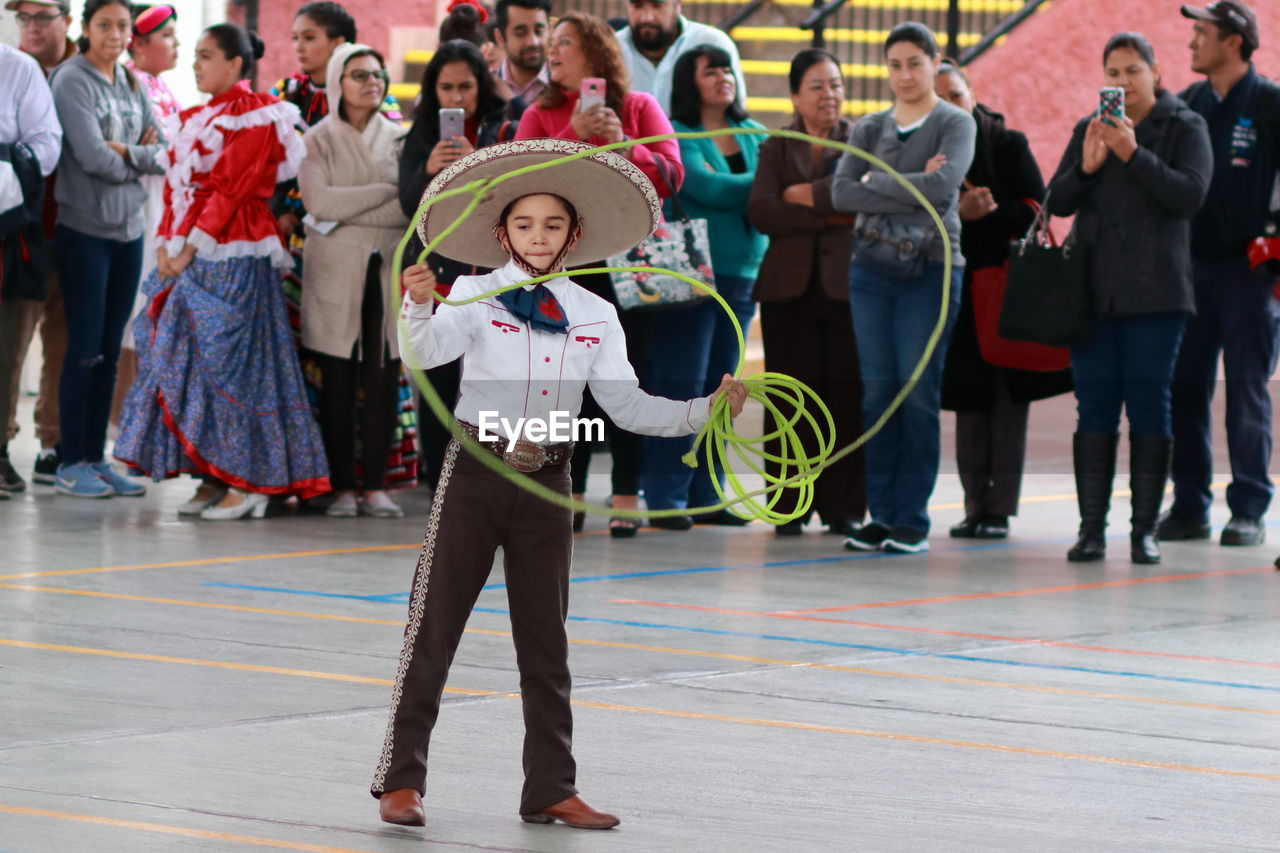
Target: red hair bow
484,13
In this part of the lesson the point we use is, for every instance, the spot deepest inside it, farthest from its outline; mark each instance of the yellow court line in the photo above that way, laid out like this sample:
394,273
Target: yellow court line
212,560
935,741
941,679
691,715
178,830
243,667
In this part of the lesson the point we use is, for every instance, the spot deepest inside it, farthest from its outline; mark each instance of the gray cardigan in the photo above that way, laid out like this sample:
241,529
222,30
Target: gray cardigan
1135,217
98,193
947,130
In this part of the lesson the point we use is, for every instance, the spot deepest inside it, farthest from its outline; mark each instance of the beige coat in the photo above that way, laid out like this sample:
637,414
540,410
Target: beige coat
340,181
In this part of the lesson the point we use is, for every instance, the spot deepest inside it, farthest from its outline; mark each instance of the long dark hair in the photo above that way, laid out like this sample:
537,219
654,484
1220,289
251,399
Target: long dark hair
426,116
91,8
236,41
686,101
334,17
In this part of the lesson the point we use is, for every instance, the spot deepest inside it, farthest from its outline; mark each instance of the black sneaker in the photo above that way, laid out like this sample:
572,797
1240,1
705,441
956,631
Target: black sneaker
904,540
672,522
10,480
46,470
1242,530
722,517
871,537
1179,528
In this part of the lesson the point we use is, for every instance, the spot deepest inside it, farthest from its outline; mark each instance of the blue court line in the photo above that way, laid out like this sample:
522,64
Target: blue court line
844,558
909,652
783,638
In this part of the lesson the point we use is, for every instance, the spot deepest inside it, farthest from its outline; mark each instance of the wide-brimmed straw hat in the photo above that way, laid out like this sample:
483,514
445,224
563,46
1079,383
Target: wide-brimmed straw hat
615,200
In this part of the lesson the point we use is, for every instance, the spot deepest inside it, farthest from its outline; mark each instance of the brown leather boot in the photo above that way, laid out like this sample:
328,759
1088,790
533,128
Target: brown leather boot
573,812
403,807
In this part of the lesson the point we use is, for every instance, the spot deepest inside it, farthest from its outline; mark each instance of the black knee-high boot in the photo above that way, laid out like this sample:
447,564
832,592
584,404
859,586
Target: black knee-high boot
1094,455
1148,472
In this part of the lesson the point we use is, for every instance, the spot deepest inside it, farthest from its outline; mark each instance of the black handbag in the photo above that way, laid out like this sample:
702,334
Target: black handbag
1049,297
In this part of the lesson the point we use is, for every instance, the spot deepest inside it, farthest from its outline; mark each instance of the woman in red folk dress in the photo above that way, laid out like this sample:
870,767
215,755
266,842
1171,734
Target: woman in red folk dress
219,393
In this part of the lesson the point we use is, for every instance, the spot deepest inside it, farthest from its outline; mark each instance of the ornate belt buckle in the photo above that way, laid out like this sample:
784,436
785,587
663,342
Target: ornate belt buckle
525,456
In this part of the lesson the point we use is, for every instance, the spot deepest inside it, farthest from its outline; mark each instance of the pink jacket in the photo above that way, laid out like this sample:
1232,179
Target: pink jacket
641,116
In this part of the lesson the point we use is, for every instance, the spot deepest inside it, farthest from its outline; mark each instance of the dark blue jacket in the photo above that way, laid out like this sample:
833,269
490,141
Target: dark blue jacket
1244,128
24,266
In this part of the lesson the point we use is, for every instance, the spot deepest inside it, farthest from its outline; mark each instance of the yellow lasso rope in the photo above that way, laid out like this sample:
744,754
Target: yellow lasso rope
717,437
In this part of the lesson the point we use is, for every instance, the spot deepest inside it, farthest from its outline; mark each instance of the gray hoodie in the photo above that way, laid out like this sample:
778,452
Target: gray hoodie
98,193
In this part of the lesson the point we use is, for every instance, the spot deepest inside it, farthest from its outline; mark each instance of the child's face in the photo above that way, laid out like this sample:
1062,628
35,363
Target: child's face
537,228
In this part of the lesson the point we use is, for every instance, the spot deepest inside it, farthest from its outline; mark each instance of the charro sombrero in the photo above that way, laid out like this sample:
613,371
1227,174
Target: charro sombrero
615,200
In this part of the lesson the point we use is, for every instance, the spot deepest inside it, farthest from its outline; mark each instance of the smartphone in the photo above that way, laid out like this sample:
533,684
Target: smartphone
1111,103
593,89
452,122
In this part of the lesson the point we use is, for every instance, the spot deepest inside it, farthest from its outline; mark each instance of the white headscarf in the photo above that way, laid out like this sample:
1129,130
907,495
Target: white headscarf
381,134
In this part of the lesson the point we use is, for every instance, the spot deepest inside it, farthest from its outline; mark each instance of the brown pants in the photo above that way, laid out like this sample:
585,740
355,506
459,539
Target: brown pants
475,512
811,339
51,318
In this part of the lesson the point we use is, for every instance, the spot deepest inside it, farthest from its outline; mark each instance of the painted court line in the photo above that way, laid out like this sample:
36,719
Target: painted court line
939,631
1015,593
934,741
691,715
668,650
782,638
177,830
243,667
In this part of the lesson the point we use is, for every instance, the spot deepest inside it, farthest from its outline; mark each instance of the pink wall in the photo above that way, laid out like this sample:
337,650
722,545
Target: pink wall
1046,76
374,22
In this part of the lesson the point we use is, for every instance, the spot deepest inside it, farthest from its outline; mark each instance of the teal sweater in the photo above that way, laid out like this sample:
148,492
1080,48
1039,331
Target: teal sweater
720,197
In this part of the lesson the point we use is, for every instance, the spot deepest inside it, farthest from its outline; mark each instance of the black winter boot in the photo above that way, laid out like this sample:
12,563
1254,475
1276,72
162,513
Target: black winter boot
1148,470
1094,455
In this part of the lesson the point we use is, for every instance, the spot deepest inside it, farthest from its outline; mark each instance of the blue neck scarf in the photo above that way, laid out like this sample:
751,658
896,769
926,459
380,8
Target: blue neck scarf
538,307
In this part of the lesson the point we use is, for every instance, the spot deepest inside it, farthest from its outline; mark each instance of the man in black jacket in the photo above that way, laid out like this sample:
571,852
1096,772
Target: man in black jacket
1236,310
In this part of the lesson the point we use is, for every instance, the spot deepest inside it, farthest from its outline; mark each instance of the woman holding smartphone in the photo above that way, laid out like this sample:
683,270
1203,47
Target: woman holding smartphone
584,51
456,84
1133,181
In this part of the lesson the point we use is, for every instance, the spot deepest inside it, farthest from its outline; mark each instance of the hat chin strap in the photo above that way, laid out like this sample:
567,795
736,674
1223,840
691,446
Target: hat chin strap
557,263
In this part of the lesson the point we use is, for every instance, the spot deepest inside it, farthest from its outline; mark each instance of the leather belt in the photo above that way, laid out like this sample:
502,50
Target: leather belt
524,456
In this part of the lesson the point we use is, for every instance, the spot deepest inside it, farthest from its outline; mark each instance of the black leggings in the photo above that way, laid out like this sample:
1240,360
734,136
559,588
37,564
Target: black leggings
369,369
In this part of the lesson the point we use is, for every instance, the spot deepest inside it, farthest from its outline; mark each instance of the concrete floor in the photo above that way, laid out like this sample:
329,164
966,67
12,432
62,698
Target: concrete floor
172,685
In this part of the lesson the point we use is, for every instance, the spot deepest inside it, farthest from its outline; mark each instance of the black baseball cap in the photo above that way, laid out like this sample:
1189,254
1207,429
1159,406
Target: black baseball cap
1232,17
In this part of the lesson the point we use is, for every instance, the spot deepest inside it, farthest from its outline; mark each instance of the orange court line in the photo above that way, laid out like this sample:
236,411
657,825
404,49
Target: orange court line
944,599
177,830
582,703
797,616
1062,691
964,744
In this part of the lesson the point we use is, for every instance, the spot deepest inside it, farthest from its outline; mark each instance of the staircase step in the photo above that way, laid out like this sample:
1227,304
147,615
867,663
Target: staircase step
793,35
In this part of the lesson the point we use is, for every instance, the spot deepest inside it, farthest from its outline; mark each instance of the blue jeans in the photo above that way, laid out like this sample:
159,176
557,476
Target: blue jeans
723,359
892,321
1236,317
1127,362
99,280
677,351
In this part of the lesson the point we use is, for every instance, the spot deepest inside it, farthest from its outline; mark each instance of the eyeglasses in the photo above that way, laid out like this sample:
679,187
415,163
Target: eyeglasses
41,21
360,75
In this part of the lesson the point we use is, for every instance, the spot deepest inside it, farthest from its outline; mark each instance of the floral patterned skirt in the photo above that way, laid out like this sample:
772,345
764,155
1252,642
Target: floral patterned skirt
219,391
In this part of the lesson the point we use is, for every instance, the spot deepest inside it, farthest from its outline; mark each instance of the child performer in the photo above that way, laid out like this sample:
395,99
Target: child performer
530,352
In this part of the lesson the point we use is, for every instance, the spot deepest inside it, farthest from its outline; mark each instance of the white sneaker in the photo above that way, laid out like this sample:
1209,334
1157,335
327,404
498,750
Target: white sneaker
251,503
379,505
343,506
